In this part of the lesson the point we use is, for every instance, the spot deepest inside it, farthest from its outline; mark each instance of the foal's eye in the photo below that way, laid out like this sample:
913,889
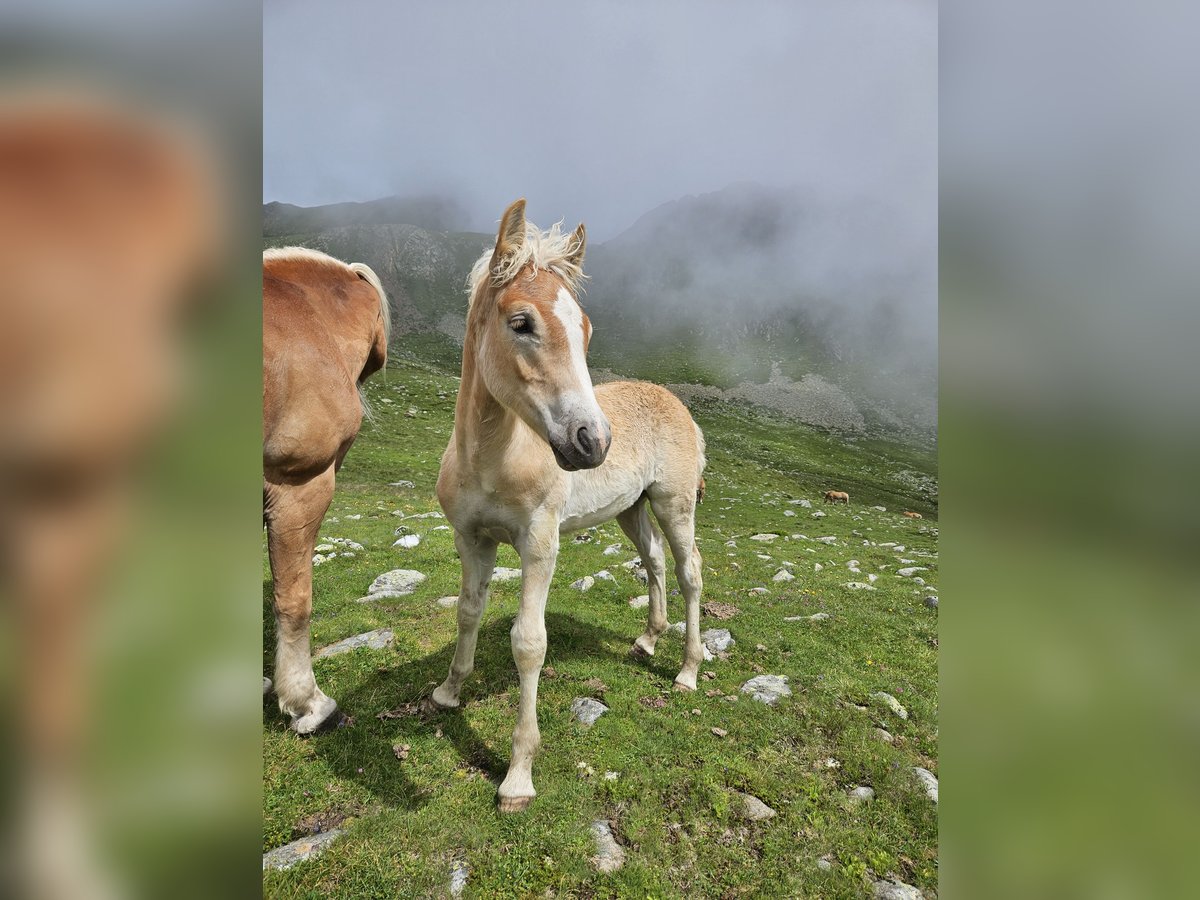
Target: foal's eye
521,325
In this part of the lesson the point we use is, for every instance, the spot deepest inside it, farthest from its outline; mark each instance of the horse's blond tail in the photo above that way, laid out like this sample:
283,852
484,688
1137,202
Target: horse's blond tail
367,274
701,462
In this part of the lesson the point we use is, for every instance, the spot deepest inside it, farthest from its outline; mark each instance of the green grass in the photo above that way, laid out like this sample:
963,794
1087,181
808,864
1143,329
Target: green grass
408,821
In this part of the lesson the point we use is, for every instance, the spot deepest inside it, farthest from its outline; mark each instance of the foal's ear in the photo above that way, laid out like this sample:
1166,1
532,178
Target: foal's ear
578,244
512,232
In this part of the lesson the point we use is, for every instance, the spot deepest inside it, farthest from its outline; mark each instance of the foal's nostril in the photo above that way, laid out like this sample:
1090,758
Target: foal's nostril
584,440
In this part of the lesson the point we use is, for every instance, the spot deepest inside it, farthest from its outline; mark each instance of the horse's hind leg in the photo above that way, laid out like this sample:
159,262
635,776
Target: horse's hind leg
478,557
636,523
677,516
294,513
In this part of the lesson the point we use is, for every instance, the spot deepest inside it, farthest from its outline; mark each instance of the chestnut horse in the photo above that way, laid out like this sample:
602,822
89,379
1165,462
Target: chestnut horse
325,331
537,452
837,497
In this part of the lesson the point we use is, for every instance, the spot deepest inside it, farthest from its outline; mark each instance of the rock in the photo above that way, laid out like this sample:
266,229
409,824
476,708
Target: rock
584,584
717,639
632,563
609,854
411,413
860,586
807,504
828,539
396,583
891,703
767,688
407,542
872,578
323,548
783,575
378,639
879,508
604,575
750,807
896,890
789,512
500,573
859,796
909,571
815,617
817,567
677,627
764,538
640,602
929,780
459,873
824,863
819,514
426,515
719,732
931,602
612,549
401,484
758,590
319,558
266,685
718,610
298,851
447,602
587,710
885,736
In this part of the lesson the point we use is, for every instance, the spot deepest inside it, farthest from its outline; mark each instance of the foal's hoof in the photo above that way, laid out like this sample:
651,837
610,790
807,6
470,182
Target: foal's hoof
317,720
514,804
684,685
637,651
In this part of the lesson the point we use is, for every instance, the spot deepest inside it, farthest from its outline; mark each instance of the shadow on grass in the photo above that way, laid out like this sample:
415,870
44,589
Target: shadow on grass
362,750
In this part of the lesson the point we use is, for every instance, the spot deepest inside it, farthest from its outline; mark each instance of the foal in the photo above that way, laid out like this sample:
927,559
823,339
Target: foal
537,452
325,331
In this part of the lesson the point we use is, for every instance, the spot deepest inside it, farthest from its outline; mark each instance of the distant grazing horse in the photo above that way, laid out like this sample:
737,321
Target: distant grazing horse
537,452
913,515
837,497
325,331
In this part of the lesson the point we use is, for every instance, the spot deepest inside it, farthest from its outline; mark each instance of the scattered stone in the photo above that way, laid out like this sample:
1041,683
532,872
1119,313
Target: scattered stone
783,575
447,602
612,549
824,863
584,584
298,851
767,688
632,564
611,776
355,517
828,539
587,710
720,610
411,413
696,712
426,515
396,583
609,854
891,703
860,585
401,484
929,780
789,512
817,567
884,735
719,732
931,602
879,508
378,639
407,541
717,639
596,685
750,807
872,578
401,751
501,573
459,873
896,890
758,590
860,796
764,538
909,571
604,575
819,514
640,602
807,504
815,617
677,627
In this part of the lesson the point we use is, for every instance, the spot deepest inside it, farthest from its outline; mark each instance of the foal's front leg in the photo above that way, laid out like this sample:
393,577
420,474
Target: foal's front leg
538,549
478,555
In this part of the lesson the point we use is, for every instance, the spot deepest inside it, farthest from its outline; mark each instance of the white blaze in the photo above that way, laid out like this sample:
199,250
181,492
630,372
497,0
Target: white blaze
571,316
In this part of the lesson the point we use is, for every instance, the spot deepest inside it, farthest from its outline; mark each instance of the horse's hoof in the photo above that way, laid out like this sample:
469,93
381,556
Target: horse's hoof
514,804
319,720
637,651
439,703
430,707
684,685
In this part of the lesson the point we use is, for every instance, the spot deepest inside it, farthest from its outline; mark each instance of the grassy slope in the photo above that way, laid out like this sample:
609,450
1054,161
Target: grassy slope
411,819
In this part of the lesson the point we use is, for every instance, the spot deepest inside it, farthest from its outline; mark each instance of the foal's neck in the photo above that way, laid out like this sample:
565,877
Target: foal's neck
484,428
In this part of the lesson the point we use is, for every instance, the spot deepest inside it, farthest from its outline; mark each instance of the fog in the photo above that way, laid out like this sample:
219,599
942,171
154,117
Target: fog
600,113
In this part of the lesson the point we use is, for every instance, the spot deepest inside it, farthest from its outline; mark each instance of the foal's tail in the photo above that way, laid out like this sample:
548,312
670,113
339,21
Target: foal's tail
367,274
701,462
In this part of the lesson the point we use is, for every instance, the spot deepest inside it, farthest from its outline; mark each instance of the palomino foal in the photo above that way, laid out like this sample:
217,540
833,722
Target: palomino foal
536,452
325,331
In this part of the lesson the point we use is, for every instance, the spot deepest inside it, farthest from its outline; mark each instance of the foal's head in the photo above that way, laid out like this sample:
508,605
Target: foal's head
532,337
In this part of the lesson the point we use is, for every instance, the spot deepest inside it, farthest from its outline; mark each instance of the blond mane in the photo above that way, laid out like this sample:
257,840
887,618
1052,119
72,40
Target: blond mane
550,250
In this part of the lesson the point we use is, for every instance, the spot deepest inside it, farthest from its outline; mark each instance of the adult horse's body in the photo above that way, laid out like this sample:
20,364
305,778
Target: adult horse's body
837,497
536,452
325,331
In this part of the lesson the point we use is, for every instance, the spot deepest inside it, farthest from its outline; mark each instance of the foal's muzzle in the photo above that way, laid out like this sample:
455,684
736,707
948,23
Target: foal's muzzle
582,446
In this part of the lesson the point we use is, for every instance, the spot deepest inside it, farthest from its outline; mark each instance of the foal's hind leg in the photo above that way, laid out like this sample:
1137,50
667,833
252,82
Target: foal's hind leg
294,513
478,557
636,523
676,515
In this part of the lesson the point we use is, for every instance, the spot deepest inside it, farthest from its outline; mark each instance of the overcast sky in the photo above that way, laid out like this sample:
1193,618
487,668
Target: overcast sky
601,111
